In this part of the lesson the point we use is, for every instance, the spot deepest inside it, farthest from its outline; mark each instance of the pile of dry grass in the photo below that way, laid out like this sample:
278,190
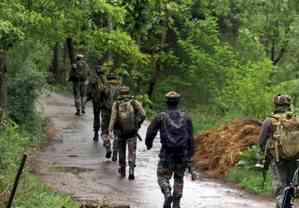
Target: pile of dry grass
218,149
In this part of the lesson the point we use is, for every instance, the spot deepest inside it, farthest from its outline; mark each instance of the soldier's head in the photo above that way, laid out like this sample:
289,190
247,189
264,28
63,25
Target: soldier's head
98,69
124,91
79,57
282,103
172,98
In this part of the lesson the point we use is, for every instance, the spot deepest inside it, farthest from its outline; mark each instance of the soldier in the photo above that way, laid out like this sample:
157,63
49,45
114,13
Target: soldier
282,170
176,137
95,94
110,93
126,118
78,75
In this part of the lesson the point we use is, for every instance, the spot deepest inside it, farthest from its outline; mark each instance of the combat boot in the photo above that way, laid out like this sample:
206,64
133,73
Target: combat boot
108,154
176,202
122,172
167,200
96,136
114,156
77,113
131,173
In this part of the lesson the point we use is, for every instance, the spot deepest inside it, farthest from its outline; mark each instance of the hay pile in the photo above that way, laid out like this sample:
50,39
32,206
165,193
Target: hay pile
217,150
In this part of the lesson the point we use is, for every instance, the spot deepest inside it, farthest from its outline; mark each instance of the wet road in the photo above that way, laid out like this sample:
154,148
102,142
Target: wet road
74,164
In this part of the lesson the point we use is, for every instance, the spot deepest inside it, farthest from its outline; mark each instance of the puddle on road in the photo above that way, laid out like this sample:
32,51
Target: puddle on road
73,170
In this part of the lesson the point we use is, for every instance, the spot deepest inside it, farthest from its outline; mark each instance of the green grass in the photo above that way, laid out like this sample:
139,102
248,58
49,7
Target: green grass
251,180
31,193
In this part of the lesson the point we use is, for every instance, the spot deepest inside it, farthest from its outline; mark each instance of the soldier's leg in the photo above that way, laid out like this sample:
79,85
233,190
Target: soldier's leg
164,174
178,184
105,114
279,180
96,120
132,146
115,148
76,91
122,144
83,91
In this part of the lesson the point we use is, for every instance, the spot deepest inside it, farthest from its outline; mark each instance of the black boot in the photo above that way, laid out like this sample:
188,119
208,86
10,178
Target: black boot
167,200
176,202
114,156
108,154
122,172
131,173
77,113
96,137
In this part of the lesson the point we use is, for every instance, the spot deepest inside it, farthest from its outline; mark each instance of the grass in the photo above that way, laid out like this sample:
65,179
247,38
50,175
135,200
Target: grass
251,180
31,193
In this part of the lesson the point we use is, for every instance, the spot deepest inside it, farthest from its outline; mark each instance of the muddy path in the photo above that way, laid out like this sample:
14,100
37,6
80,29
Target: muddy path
74,164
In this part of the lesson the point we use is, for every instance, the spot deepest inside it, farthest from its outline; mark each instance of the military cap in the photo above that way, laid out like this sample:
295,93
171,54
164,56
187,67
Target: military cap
124,90
282,100
172,95
79,56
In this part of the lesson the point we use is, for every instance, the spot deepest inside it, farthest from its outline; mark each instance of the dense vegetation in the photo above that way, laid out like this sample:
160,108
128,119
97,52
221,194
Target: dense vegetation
226,57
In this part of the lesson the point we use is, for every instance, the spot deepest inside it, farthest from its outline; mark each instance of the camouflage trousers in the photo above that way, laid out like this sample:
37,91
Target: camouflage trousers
165,171
79,90
96,116
282,173
105,115
132,146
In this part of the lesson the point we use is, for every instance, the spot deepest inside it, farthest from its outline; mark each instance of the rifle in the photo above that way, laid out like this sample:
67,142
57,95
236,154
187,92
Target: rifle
139,137
14,189
191,171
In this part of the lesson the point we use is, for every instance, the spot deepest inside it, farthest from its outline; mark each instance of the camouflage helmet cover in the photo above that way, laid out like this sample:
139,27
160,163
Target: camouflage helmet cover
280,100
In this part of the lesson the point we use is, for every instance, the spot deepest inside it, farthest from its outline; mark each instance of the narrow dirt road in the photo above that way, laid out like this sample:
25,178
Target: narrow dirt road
74,164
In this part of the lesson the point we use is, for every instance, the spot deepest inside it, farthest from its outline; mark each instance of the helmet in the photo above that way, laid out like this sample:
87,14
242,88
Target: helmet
280,100
172,96
124,90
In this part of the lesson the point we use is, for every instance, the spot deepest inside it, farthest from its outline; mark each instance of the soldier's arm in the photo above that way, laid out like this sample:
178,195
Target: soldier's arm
140,112
190,132
152,131
265,133
113,116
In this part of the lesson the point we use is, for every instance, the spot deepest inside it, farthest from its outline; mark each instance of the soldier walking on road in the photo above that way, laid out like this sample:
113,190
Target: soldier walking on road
78,75
176,136
110,93
279,132
126,118
95,92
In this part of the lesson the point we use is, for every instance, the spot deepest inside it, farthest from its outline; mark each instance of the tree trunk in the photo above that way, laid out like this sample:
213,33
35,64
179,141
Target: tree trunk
54,68
70,48
3,82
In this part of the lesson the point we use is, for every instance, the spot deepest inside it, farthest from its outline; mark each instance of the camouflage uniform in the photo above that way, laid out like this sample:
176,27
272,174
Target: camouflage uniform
170,163
123,140
110,93
79,75
282,171
95,93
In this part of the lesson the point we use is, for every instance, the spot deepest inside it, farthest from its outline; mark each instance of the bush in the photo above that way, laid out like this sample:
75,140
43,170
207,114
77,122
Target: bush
26,75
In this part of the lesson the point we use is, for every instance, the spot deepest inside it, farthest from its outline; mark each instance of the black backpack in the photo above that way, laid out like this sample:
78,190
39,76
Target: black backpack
177,136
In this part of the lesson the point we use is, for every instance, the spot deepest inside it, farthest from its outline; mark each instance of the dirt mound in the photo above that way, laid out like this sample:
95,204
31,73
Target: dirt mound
218,149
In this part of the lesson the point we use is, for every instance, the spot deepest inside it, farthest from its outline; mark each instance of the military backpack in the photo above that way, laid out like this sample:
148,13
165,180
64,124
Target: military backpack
126,118
285,141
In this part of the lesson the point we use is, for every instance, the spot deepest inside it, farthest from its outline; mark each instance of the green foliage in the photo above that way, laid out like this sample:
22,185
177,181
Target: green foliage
247,90
26,78
251,180
248,175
